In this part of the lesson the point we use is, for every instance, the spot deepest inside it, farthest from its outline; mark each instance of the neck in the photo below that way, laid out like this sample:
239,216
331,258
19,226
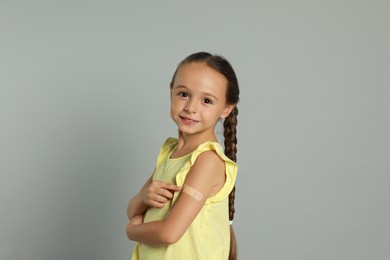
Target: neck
190,142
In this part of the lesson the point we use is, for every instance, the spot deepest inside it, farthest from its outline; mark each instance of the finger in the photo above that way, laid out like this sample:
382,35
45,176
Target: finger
160,198
170,186
156,201
156,204
166,193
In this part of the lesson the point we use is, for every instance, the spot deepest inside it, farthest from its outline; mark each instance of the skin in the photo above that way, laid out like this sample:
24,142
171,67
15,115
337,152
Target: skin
198,101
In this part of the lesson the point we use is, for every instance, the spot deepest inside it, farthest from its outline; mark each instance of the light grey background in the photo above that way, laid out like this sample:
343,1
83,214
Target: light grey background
84,107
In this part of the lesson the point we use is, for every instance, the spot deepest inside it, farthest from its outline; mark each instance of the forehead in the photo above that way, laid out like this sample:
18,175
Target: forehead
199,76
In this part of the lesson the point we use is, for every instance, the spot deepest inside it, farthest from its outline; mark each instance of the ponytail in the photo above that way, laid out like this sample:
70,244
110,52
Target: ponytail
230,142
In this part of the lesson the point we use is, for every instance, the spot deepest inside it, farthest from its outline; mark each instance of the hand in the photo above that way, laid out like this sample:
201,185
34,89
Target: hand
137,220
158,192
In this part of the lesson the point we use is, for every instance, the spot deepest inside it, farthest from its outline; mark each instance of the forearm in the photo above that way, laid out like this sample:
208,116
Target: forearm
169,230
136,206
152,233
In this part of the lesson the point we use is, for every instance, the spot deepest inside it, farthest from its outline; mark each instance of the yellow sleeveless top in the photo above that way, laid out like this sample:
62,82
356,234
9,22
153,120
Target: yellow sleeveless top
208,236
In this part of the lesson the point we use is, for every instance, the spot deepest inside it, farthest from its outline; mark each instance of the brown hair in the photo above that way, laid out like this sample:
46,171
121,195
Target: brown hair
221,65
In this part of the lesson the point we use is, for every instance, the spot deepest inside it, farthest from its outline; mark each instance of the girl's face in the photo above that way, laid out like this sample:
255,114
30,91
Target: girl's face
198,99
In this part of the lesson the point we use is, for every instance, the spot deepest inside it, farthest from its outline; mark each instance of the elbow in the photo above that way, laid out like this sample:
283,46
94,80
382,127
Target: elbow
168,237
128,231
129,214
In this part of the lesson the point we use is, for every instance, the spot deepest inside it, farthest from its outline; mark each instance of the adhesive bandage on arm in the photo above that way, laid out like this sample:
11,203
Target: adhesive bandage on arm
194,193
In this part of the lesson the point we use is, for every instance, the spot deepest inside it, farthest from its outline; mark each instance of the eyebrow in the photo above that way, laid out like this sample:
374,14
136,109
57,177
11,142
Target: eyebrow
203,93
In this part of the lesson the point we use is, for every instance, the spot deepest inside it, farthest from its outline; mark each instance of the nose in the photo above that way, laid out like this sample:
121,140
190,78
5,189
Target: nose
190,107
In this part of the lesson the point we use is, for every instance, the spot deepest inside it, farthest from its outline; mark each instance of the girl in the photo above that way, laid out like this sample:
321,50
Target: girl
184,208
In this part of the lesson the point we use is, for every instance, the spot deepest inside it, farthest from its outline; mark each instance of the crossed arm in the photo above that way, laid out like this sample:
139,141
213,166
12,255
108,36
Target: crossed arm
207,176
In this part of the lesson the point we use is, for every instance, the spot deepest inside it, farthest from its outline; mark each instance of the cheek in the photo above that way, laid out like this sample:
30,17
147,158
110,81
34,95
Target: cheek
174,107
172,114
176,104
213,116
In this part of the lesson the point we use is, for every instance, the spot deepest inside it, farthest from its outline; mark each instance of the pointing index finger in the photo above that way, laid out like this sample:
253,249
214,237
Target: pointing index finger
172,187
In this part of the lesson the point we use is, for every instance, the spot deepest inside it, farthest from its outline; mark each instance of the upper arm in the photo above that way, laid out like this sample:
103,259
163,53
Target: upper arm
206,176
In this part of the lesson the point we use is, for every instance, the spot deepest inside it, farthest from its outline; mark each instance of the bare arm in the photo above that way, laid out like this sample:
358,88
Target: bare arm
152,194
207,176
136,205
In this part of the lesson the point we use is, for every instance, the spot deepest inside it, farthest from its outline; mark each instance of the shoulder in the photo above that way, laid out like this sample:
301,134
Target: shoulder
209,165
207,160
170,141
210,158
211,150
167,147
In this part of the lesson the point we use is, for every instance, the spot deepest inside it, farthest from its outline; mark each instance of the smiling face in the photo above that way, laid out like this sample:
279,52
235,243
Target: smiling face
198,100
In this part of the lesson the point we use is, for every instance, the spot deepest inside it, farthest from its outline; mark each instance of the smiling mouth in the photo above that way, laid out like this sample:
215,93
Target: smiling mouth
188,121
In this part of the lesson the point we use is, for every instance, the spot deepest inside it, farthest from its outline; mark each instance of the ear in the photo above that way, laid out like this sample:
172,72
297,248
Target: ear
228,108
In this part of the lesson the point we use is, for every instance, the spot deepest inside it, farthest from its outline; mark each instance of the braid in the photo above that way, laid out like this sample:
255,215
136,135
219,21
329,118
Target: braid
230,134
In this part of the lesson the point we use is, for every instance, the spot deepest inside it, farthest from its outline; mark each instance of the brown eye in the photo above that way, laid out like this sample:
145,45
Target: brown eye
183,94
208,101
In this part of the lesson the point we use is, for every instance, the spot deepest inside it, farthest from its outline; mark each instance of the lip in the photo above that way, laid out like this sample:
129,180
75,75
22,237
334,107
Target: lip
188,121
